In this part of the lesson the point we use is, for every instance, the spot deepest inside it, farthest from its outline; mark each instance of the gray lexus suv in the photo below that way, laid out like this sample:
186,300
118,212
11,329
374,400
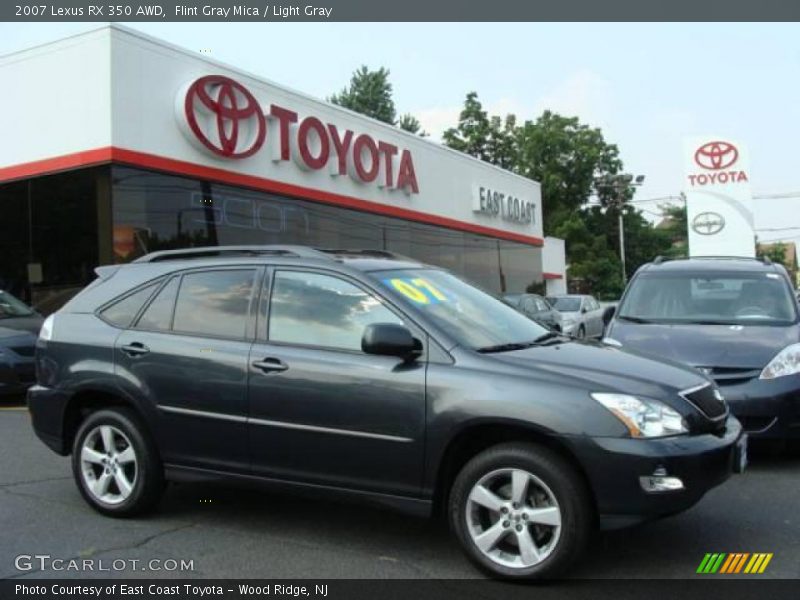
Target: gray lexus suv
361,374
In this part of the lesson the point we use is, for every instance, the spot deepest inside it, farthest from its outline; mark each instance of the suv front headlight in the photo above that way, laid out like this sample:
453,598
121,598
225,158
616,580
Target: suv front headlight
786,362
644,418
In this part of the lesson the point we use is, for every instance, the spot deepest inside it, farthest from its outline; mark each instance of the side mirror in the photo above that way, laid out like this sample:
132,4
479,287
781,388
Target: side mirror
608,314
584,309
390,339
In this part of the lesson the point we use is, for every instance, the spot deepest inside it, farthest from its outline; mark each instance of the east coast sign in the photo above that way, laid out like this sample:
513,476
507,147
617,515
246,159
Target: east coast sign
220,116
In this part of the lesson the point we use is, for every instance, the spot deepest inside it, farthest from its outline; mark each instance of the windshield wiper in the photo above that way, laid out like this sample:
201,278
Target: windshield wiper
548,336
520,345
506,347
633,319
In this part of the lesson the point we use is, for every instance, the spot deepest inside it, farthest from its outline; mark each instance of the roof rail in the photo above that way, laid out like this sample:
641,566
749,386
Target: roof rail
762,259
364,252
225,251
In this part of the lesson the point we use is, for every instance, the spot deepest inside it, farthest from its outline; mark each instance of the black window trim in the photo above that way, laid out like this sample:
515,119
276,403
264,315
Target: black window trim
263,338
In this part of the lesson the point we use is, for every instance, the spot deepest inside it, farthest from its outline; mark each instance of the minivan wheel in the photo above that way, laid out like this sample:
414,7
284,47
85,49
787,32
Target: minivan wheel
520,511
115,464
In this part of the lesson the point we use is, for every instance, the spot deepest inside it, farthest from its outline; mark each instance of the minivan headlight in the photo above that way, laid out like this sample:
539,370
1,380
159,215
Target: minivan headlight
786,362
644,418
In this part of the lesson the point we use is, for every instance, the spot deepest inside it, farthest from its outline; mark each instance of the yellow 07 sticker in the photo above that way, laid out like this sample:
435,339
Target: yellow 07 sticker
417,290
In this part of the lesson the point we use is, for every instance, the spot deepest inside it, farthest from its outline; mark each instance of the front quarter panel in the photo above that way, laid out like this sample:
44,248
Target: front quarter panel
474,392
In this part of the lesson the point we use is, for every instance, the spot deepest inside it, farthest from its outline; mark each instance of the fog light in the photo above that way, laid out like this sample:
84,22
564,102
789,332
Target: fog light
659,481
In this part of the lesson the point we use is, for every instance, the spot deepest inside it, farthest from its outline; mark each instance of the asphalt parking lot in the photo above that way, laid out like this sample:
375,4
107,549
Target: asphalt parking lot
237,533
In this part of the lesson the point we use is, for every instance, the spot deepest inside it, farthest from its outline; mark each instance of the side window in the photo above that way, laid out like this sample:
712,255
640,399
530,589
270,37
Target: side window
321,310
542,305
158,316
528,304
214,303
122,312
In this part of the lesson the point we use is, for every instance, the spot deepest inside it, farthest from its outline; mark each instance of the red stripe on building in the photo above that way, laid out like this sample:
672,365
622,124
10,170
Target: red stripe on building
179,167
552,276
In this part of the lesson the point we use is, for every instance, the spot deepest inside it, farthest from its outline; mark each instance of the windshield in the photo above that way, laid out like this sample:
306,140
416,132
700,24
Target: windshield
473,317
565,304
725,298
11,307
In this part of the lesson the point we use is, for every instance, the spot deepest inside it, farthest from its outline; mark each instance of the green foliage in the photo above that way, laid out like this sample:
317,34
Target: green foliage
675,227
369,93
776,253
410,123
567,158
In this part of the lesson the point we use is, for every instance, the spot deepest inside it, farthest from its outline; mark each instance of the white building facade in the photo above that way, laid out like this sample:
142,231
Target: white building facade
117,144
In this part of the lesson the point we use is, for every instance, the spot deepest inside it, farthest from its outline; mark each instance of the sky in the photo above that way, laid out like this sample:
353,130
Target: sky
646,85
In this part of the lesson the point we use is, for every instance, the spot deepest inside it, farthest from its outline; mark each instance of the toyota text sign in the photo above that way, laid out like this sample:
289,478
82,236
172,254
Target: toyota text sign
222,117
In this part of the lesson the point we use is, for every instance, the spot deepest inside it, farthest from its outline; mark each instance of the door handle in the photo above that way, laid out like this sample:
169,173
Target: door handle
270,364
135,349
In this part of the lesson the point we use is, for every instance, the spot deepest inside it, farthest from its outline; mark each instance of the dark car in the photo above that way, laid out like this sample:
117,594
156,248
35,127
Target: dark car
734,319
535,307
19,326
361,375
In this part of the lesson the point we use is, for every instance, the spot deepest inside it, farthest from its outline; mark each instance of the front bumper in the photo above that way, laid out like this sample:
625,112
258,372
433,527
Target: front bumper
767,408
614,467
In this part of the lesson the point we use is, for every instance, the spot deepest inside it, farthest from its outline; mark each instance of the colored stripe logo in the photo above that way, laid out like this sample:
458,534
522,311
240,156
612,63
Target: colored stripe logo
735,562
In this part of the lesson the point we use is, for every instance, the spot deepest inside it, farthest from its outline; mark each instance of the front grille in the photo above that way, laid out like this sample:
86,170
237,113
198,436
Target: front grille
731,375
705,398
23,350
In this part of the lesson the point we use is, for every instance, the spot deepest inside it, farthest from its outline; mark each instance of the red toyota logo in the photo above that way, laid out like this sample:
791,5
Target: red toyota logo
225,117
716,155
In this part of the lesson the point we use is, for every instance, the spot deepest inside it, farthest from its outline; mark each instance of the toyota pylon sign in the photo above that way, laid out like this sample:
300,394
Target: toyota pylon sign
718,197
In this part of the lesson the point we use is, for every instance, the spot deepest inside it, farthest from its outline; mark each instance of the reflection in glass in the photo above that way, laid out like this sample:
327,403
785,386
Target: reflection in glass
214,303
319,310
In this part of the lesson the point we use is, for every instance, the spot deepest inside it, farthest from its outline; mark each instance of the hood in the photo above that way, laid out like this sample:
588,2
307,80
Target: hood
31,323
570,314
604,368
726,346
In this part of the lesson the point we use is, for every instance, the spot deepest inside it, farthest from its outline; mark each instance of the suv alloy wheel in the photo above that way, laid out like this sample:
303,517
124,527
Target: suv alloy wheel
115,465
520,512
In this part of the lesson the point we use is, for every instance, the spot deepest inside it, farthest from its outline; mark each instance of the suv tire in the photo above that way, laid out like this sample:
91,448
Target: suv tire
115,463
538,537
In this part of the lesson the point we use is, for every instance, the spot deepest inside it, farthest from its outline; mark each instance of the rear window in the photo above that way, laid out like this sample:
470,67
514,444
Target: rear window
122,312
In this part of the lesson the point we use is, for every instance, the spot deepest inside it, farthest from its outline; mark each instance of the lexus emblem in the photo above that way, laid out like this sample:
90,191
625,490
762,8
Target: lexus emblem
708,223
224,117
716,155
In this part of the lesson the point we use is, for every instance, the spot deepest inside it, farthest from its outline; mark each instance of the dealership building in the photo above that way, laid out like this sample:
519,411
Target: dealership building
116,144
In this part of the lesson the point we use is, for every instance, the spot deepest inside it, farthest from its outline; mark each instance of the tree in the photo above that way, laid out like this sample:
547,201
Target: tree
593,266
565,157
410,123
369,93
776,252
674,226
471,135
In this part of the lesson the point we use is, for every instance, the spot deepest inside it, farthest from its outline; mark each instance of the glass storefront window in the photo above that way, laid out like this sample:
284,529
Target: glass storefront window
154,211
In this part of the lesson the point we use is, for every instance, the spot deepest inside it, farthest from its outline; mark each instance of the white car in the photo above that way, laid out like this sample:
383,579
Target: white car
581,315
